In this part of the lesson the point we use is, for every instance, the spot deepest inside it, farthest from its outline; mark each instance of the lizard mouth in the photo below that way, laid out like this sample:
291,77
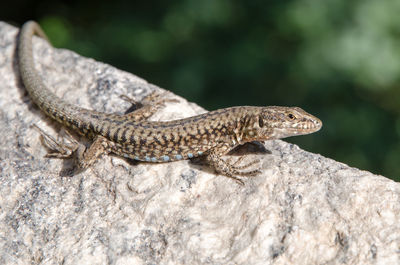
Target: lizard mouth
299,129
308,126
311,126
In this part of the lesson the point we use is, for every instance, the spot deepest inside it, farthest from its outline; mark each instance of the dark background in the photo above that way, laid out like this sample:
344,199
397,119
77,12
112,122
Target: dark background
337,59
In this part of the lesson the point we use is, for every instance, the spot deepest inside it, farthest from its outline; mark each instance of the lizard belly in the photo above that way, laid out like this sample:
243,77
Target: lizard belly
156,153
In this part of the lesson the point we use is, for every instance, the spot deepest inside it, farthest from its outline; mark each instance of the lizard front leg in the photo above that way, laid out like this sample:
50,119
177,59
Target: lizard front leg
229,169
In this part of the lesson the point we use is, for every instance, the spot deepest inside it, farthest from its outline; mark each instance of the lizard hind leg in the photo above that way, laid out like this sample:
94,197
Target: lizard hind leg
68,147
88,157
147,107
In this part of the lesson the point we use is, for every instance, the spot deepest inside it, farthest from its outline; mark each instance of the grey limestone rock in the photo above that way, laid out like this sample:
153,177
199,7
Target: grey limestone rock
302,209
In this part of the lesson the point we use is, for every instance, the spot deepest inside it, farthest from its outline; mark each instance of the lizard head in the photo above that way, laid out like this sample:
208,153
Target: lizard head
276,122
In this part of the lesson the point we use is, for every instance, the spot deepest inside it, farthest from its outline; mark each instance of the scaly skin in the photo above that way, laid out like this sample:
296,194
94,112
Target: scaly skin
212,134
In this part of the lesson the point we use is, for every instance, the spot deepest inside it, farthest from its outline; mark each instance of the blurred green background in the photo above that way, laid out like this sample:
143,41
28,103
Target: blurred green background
337,59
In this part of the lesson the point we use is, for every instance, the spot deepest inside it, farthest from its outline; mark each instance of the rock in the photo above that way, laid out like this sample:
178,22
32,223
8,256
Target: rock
302,209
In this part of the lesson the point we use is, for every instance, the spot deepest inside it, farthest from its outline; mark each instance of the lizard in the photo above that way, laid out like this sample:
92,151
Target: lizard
210,135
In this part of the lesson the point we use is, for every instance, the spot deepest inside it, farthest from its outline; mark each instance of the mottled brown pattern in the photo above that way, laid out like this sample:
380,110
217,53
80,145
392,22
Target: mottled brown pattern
211,134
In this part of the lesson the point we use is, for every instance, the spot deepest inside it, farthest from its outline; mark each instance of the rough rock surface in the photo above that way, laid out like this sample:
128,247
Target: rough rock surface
303,208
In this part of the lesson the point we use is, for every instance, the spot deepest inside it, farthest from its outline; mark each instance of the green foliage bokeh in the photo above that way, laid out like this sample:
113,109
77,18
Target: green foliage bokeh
337,59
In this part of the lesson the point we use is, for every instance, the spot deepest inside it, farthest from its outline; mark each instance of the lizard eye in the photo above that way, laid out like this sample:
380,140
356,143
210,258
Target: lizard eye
260,121
291,116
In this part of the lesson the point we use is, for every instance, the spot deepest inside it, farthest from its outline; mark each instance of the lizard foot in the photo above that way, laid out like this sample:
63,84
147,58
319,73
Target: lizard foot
63,148
232,170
